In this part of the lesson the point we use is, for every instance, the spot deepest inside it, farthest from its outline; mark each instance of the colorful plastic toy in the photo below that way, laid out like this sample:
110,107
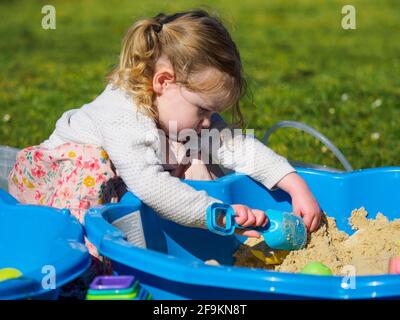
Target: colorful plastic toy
116,288
316,268
284,231
9,273
394,265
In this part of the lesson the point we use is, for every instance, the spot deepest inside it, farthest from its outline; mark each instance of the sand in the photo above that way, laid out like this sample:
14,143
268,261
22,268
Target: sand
366,252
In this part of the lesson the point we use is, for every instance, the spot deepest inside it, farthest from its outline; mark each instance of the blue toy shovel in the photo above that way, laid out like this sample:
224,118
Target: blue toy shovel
284,231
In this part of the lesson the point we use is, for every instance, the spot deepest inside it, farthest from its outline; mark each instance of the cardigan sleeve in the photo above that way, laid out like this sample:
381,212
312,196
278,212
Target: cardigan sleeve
246,154
133,147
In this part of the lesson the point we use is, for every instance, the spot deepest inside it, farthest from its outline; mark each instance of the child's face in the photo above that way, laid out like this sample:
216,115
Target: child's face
188,109
175,103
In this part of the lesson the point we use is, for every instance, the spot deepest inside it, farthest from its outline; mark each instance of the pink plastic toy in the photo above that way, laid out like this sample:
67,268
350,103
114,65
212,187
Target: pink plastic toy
394,265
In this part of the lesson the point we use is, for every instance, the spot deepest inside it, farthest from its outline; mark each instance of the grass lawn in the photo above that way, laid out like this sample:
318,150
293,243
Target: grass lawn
300,64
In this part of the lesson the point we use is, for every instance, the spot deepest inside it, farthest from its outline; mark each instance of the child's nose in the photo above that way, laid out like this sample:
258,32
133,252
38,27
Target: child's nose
206,123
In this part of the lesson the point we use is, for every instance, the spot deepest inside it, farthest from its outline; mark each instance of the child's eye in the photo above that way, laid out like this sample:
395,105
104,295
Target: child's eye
203,111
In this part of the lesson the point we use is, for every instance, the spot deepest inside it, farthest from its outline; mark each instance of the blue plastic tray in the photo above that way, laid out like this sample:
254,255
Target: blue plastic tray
36,239
172,265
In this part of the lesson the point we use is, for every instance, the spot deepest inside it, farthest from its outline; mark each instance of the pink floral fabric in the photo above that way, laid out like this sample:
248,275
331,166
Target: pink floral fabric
70,176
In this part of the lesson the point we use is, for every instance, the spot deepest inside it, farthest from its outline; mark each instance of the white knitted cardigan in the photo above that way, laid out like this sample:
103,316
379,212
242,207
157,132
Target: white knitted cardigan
132,142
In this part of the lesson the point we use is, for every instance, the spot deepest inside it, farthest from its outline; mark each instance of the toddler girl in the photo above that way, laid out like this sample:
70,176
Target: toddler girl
175,71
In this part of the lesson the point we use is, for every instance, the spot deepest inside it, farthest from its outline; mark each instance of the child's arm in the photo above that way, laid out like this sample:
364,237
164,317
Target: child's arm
303,201
249,156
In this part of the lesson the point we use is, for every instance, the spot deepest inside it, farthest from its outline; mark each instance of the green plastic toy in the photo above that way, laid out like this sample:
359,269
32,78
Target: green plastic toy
316,268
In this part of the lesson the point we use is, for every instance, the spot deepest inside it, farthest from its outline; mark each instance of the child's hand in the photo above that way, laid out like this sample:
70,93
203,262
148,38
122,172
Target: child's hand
303,201
246,217
305,206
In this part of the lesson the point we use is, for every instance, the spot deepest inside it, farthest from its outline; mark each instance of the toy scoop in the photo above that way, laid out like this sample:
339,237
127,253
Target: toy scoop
284,230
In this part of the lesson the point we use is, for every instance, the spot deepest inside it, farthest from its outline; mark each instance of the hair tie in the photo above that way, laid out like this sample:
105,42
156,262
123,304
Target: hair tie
157,27
162,19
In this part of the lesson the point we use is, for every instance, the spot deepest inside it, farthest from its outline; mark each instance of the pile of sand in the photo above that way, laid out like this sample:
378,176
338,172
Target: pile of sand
368,250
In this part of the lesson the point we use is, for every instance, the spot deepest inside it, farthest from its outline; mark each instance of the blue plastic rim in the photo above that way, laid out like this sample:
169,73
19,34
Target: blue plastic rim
172,266
44,244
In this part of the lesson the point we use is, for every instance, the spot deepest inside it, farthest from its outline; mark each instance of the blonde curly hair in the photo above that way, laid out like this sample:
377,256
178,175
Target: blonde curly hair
192,41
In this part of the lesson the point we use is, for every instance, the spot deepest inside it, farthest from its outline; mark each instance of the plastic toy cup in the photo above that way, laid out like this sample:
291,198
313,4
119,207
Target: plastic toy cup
394,265
133,291
142,294
125,287
116,288
112,282
131,296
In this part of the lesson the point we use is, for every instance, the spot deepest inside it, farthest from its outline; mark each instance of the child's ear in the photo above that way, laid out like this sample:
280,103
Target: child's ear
162,79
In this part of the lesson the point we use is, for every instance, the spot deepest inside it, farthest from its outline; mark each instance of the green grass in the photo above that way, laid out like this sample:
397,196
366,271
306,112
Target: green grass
299,62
